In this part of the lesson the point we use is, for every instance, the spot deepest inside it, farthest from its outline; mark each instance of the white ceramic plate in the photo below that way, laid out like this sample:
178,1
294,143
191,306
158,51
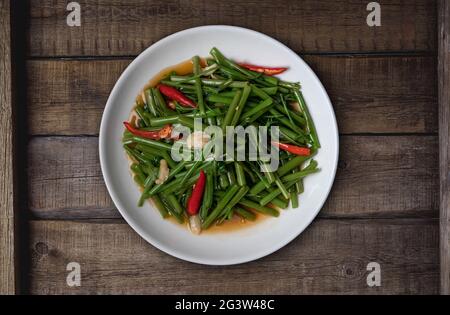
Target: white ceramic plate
241,245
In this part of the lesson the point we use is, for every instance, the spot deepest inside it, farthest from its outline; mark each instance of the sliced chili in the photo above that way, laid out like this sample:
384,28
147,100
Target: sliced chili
265,70
293,148
195,200
163,133
176,95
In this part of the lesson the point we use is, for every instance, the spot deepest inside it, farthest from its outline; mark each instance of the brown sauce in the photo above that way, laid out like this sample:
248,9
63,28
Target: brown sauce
185,68
236,223
182,68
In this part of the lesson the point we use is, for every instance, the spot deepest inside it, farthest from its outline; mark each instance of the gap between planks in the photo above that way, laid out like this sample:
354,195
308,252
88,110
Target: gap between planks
366,54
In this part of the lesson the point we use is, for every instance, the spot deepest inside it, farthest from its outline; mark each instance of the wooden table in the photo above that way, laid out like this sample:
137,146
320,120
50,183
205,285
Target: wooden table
386,202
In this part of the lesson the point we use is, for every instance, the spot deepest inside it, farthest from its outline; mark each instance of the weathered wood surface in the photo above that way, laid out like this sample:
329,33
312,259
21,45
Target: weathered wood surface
369,94
378,176
8,251
384,203
330,256
444,140
127,27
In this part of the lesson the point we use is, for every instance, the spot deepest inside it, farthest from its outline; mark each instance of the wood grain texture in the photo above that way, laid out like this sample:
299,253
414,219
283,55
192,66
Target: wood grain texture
329,257
369,94
378,176
127,27
382,178
444,140
8,252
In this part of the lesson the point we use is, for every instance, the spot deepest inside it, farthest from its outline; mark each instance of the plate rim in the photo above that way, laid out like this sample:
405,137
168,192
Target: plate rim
141,232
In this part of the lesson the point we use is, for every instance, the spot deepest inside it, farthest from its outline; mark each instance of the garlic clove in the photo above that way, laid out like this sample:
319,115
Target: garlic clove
197,140
163,172
195,225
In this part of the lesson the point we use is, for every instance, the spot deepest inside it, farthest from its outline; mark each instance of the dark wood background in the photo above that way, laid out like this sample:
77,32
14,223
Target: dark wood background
384,204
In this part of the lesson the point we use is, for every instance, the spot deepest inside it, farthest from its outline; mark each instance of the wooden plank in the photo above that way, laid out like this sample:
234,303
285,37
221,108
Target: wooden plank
68,97
444,140
369,94
127,27
8,253
330,257
380,94
73,186
378,176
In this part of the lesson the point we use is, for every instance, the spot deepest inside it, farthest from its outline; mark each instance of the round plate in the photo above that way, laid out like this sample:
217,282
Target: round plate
241,245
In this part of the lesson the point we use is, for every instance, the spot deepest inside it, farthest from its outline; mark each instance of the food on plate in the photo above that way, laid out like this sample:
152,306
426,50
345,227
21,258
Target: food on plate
203,190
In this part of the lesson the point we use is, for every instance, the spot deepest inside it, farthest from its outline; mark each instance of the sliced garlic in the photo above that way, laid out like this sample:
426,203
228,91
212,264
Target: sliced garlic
296,106
194,224
197,140
163,172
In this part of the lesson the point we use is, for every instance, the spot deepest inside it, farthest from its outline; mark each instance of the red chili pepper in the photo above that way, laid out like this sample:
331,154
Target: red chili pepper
195,199
163,133
176,95
261,69
293,148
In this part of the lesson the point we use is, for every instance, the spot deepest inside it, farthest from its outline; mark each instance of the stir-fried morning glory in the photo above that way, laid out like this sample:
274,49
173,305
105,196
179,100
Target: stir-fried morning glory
211,188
